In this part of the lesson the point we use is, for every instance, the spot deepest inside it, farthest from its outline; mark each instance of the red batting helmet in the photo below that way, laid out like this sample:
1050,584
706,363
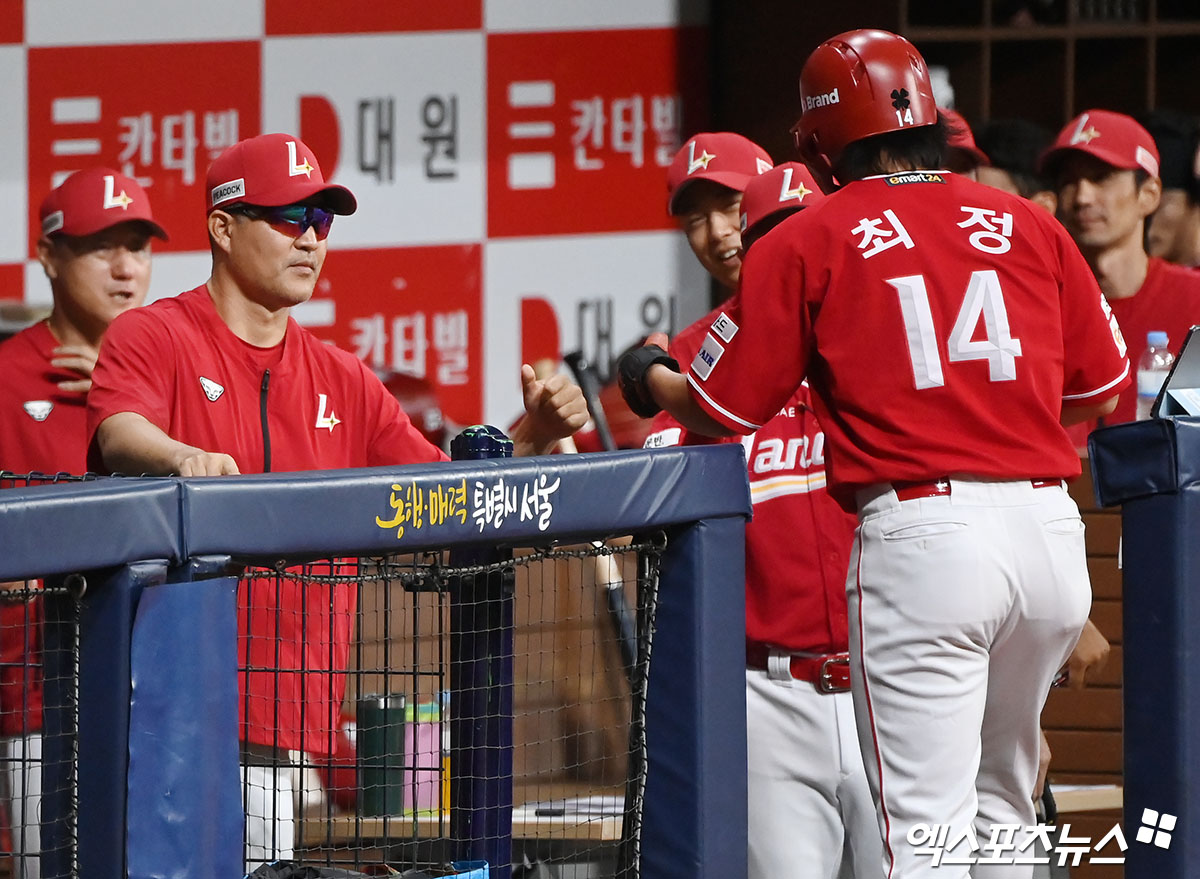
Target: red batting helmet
856,85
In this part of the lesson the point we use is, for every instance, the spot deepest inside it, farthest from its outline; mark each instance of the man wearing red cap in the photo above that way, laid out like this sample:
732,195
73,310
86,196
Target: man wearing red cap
95,250
808,799
947,329
1106,171
221,380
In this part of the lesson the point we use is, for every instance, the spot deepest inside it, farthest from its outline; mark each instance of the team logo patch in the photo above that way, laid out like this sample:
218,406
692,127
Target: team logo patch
724,327
212,390
38,410
696,163
295,169
329,421
111,198
706,358
915,177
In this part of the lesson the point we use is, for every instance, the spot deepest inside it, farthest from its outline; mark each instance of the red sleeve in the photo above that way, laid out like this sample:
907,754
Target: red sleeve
396,439
1094,362
132,374
755,355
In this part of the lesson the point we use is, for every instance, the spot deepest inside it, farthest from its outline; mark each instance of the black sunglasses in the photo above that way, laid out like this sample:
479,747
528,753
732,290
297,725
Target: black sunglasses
290,219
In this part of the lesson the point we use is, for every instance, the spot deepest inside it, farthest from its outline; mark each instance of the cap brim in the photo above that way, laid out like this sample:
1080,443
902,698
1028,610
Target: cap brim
336,198
1054,155
729,179
155,230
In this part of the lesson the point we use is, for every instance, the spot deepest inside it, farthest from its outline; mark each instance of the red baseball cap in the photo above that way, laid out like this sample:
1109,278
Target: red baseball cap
272,170
1111,137
720,156
787,186
961,137
94,199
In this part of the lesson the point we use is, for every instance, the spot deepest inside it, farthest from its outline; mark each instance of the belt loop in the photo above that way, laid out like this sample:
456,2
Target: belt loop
779,667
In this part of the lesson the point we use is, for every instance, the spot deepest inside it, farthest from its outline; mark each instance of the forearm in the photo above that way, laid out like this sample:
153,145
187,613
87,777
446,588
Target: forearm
526,443
670,391
130,444
1077,414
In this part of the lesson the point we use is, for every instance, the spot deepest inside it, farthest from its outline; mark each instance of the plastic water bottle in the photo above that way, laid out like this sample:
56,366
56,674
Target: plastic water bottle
1152,371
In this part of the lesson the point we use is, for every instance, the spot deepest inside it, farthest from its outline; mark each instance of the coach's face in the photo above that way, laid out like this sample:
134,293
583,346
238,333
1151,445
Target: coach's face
272,265
1102,206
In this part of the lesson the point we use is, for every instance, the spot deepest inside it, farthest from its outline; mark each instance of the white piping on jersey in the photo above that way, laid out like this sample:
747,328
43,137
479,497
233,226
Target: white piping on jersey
779,486
699,390
1101,389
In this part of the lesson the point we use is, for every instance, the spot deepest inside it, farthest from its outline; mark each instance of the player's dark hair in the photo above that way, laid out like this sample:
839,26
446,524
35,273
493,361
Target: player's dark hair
1014,146
922,148
765,225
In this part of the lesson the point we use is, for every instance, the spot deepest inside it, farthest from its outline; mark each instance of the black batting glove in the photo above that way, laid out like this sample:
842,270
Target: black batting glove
631,378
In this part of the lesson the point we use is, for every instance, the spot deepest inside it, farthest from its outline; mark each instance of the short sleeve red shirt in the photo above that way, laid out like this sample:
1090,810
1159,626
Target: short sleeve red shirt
798,541
942,324
176,363
45,432
1168,300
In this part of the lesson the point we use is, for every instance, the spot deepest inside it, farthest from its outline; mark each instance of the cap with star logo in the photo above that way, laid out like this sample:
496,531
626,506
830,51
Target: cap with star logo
720,156
788,187
271,170
95,199
1113,138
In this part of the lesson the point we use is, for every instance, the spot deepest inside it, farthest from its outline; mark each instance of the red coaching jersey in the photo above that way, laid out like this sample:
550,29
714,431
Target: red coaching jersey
304,405
798,543
941,323
1168,300
45,430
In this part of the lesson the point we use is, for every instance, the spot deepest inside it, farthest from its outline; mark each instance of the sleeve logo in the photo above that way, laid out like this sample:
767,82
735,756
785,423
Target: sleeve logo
724,327
706,358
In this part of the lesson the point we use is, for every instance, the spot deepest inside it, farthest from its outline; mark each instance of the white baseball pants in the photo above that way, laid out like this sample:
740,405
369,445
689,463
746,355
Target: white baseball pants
962,609
810,808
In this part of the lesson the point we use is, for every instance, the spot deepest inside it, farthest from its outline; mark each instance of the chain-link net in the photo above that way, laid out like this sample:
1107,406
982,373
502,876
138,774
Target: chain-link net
24,689
346,692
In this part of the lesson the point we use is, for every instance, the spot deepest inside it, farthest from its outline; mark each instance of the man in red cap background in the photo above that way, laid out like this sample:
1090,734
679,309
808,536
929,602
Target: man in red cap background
221,380
1106,171
95,251
808,799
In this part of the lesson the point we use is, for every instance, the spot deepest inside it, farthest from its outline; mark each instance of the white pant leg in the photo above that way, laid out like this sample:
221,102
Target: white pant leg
935,586
809,806
1054,597
23,779
270,813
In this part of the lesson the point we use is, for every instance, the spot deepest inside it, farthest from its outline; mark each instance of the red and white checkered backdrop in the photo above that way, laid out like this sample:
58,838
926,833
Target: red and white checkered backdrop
509,159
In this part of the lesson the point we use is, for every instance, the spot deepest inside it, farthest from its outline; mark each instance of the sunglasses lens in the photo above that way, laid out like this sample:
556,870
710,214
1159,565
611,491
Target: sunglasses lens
298,218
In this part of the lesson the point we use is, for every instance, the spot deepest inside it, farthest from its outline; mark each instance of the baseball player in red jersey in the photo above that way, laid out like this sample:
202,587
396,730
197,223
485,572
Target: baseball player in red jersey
1105,168
809,802
221,379
95,250
947,329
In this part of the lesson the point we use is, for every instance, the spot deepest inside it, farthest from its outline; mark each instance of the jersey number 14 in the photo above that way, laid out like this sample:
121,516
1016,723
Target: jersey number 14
983,302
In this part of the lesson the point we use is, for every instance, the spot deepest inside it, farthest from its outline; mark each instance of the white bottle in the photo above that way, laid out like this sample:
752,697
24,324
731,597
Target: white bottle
1152,371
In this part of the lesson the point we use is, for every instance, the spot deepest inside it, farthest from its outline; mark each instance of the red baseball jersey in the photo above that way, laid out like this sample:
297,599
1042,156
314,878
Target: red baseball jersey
798,542
1168,300
303,405
942,324
44,431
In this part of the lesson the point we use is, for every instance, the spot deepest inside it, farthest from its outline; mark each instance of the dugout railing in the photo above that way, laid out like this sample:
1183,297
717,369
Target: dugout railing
141,755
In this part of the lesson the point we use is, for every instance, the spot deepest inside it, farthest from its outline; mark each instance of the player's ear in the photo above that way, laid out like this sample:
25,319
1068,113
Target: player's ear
1047,198
220,229
47,256
1149,195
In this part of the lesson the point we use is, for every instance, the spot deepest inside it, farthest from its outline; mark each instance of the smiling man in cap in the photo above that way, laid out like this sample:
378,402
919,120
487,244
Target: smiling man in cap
1106,171
221,380
94,248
